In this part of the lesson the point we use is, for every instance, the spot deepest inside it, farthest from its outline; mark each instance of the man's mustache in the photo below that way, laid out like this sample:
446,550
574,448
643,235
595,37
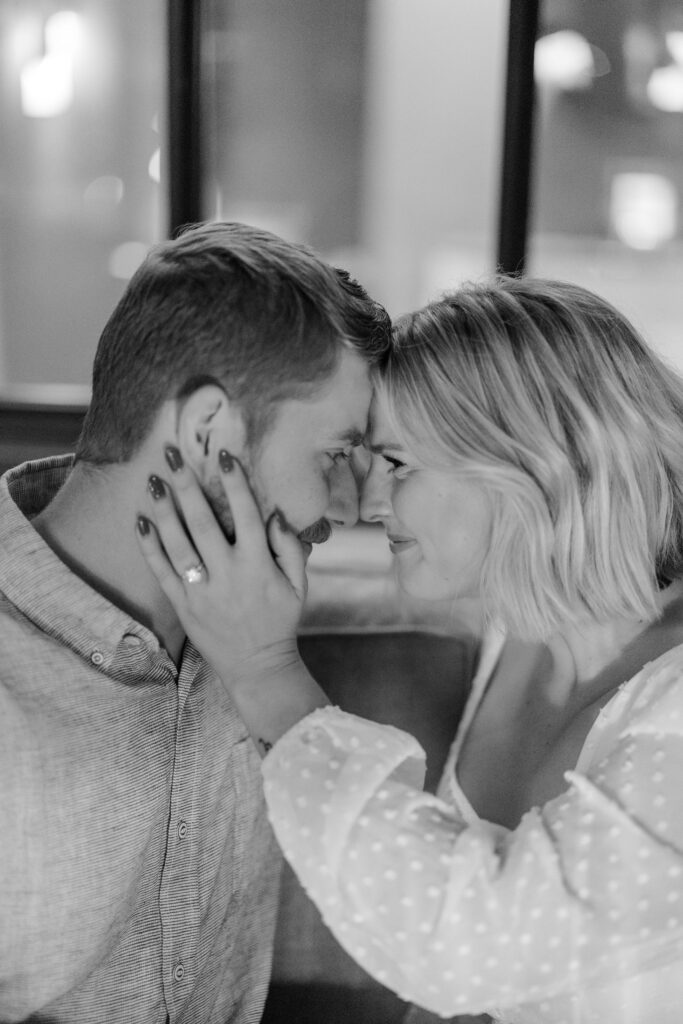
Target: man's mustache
318,533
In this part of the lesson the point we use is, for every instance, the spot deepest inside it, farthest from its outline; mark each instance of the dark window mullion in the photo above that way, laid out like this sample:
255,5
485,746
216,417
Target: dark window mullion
516,164
184,127
184,114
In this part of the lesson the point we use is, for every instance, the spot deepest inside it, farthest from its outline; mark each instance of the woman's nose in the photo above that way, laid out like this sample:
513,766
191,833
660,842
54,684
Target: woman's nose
375,495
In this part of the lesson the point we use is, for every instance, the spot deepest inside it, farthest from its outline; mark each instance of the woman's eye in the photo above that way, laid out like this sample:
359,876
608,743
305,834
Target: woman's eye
394,463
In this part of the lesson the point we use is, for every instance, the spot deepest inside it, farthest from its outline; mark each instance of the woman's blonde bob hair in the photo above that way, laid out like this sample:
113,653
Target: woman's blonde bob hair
545,395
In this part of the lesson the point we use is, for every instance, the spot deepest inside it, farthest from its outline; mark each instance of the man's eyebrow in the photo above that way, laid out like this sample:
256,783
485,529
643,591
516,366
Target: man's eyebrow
352,436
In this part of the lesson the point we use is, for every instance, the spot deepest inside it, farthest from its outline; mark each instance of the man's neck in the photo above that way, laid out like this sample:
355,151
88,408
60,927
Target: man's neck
90,525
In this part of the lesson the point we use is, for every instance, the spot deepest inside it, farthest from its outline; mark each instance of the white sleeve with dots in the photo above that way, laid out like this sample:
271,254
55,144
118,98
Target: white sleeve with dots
469,918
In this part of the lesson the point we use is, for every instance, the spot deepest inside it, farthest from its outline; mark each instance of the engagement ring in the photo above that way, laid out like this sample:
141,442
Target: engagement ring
194,574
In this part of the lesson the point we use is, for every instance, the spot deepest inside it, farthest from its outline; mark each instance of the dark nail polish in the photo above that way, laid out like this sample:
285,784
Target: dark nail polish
143,525
173,457
157,487
225,461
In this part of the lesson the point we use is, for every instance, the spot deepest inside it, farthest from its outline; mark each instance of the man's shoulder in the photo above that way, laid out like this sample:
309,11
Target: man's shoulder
27,653
18,665
16,626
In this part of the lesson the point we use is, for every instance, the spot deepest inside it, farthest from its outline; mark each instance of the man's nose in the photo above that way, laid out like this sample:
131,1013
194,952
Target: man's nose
343,506
375,495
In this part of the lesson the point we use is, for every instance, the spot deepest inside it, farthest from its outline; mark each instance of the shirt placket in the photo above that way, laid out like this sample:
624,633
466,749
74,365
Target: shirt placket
179,895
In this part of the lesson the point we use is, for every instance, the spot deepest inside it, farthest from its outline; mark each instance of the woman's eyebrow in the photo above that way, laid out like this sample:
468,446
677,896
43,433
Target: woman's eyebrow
384,446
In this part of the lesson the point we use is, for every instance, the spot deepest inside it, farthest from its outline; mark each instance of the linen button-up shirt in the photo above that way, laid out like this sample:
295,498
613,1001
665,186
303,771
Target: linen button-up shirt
138,874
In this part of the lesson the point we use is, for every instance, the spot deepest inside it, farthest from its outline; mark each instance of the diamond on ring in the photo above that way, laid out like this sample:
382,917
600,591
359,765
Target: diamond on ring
195,573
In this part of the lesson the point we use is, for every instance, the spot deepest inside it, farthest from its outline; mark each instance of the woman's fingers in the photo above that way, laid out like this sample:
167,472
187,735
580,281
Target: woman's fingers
190,540
197,535
246,606
235,513
183,550
200,529
157,560
288,554
246,515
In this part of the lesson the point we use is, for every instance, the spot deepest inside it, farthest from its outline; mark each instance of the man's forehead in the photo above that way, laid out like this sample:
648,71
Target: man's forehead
336,410
316,425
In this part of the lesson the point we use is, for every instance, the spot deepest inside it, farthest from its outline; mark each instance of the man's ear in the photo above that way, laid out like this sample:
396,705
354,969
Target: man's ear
209,420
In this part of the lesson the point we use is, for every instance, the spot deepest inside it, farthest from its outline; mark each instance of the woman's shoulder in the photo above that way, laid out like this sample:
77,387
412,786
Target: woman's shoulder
655,695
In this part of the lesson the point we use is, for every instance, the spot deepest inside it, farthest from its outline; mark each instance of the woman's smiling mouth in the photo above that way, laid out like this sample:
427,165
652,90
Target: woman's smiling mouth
399,544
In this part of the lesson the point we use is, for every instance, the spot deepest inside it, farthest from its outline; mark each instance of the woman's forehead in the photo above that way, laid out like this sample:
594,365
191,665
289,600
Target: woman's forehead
381,432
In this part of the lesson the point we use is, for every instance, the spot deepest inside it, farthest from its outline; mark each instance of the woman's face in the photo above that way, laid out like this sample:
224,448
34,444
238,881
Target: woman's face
438,523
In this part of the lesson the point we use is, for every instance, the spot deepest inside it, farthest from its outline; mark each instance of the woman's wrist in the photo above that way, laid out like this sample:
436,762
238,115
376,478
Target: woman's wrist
271,701
256,668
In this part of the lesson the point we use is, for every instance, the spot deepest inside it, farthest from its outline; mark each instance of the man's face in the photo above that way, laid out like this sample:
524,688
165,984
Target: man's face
303,464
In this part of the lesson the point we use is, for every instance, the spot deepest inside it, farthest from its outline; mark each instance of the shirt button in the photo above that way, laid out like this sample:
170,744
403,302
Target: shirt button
97,658
132,640
179,972
182,829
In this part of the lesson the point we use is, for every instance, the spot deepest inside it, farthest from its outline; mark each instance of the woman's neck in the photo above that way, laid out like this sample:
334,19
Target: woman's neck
585,652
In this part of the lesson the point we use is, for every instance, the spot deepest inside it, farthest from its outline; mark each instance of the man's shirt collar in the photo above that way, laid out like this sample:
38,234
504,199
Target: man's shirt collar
39,584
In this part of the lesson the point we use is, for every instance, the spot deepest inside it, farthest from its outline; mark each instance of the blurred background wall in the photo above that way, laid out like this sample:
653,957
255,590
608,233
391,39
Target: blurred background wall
370,129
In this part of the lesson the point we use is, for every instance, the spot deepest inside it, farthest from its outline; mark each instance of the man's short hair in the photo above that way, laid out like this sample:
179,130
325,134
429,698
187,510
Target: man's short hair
229,304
